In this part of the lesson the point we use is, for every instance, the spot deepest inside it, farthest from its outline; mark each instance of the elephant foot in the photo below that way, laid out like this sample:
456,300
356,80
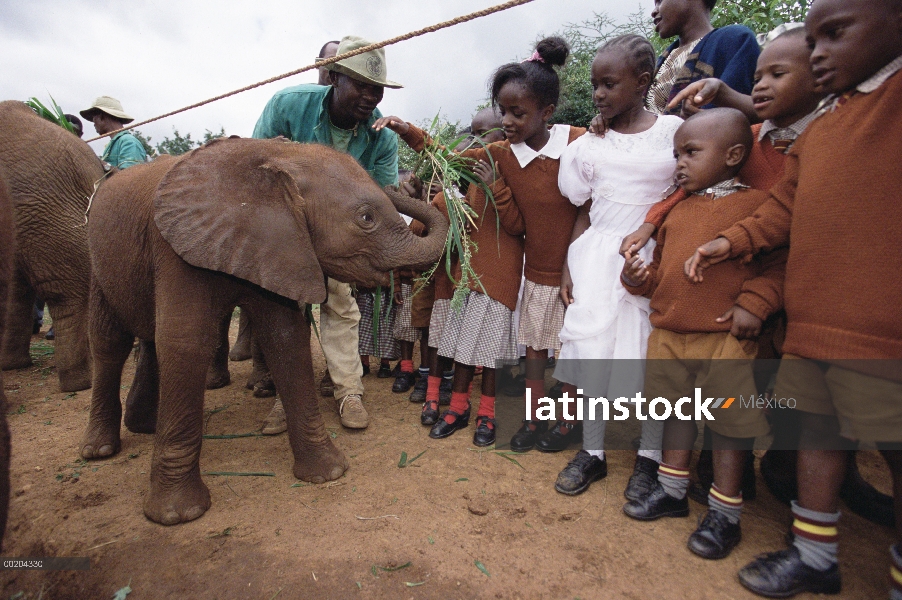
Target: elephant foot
100,441
262,384
11,363
74,381
180,503
240,352
217,378
325,463
138,421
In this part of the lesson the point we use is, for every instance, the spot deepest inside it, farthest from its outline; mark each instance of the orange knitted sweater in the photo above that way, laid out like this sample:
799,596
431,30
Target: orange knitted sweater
838,203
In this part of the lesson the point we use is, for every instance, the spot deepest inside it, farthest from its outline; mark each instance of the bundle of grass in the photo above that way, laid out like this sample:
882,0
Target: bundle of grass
56,115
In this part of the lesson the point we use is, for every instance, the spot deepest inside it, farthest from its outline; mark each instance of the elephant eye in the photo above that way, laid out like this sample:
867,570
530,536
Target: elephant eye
367,218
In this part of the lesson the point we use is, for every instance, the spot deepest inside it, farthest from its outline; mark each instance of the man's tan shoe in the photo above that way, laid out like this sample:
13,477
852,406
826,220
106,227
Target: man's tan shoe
352,413
275,422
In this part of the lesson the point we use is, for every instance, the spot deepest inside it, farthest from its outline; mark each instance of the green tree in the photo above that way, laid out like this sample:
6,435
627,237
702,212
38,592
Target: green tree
180,144
145,141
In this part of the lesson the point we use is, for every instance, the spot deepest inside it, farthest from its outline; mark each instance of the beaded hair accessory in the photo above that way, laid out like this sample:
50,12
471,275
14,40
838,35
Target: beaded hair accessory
536,57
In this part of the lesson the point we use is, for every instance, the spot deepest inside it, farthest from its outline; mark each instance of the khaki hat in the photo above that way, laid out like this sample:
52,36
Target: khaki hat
108,105
368,67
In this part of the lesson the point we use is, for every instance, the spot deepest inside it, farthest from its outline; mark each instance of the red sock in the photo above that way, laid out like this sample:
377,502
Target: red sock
433,384
407,366
486,407
537,389
460,403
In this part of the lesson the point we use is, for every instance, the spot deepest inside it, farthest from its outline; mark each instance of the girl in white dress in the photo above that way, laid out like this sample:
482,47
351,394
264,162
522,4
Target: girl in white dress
613,179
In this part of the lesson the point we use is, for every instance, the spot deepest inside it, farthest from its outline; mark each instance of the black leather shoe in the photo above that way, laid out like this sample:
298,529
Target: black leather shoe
443,428
643,480
525,438
560,436
444,391
430,414
580,472
366,370
783,574
515,387
715,537
484,434
384,371
556,391
419,390
655,505
403,382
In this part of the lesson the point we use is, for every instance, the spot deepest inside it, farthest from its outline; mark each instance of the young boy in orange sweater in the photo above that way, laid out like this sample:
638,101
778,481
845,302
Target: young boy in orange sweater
839,199
704,335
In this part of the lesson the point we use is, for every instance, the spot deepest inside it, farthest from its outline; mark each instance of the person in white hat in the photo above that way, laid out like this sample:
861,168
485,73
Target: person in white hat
124,149
340,115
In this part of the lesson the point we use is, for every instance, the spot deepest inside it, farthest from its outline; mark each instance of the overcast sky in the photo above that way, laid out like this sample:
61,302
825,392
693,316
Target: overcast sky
159,55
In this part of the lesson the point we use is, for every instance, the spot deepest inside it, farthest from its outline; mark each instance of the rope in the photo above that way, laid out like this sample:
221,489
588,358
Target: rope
401,38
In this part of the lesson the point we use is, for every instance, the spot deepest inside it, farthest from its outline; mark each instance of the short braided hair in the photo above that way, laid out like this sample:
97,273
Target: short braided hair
638,50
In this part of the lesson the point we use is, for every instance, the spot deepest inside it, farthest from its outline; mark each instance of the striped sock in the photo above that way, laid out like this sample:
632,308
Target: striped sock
726,505
675,481
424,371
460,403
815,536
432,388
895,572
449,374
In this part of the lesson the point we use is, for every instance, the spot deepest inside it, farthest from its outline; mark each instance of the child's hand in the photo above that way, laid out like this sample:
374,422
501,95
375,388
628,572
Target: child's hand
711,253
599,126
396,124
746,326
485,172
634,272
566,286
697,94
398,297
636,240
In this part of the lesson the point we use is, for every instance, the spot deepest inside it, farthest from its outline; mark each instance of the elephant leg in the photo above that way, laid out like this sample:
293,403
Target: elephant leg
218,373
73,352
242,348
185,337
284,337
261,379
4,465
16,342
144,395
110,345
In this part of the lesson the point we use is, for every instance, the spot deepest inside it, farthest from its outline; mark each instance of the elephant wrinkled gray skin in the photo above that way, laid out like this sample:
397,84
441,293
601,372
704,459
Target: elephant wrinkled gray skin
6,268
177,243
49,174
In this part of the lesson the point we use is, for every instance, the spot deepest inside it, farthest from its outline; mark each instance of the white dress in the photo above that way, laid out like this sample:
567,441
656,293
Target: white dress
623,174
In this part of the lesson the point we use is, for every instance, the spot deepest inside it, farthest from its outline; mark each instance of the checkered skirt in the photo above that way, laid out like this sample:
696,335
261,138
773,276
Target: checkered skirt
404,332
387,346
440,311
481,334
541,316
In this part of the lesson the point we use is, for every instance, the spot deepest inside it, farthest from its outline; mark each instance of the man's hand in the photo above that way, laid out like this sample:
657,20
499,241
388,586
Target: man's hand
486,173
636,240
711,253
566,291
599,126
396,124
697,94
634,272
746,326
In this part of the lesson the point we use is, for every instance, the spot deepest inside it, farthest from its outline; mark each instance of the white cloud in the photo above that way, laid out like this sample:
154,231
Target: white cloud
156,56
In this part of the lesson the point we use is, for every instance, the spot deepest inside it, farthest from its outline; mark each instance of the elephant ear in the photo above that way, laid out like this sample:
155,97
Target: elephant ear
234,206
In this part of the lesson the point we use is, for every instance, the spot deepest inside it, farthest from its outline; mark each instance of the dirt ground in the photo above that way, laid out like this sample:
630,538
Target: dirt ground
455,523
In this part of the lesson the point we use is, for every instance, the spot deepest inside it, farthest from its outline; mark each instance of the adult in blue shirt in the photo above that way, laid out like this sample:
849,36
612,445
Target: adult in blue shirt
339,115
124,149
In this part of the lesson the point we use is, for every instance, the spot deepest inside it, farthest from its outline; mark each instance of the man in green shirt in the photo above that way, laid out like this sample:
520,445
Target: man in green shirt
340,115
124,149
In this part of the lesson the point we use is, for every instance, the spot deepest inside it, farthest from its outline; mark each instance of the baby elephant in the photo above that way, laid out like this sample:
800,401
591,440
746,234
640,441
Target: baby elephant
177,243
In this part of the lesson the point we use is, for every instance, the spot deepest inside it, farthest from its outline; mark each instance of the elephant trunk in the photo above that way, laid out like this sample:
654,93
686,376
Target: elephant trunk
419,252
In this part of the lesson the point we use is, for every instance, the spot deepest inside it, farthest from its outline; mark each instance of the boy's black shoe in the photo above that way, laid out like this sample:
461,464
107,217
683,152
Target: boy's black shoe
50,334
525,438
443,428
444,391
366,370
430,414
484,435
516,387
783,574
550,363
643,480
715,537
403,382
560,436
384,371
580,472
655,505
419,390
397,370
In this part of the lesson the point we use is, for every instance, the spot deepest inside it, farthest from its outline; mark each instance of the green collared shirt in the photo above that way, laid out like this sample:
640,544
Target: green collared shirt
124,150
300,113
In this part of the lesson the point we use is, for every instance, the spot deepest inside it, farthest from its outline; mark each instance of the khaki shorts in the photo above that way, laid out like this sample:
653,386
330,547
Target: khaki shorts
868,408
421,304
717,363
